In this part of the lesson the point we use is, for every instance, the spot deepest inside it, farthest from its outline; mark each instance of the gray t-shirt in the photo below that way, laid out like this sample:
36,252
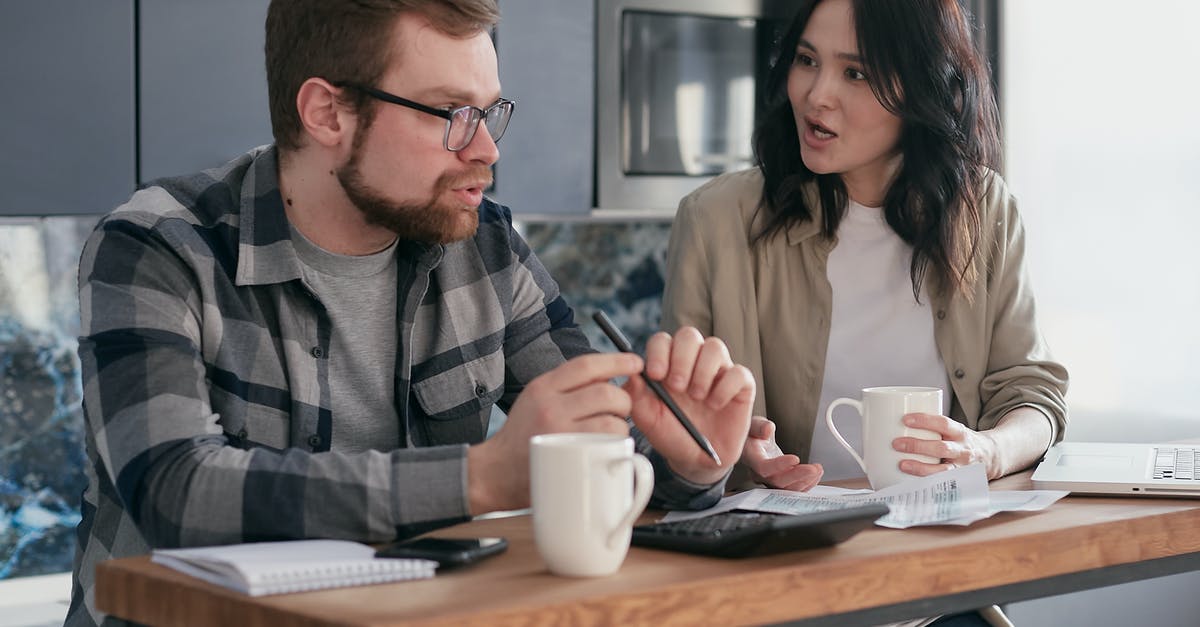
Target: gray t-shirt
359,293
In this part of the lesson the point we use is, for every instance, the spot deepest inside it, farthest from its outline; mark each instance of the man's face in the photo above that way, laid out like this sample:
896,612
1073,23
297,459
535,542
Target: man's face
398,172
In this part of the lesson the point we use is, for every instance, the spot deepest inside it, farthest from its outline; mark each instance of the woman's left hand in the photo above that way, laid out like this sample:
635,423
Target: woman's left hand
959,446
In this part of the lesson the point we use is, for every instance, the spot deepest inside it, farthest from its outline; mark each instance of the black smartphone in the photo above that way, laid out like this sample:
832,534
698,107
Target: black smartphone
447,552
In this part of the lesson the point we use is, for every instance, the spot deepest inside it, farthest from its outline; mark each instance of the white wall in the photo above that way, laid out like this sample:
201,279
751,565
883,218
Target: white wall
1103,151
1100,101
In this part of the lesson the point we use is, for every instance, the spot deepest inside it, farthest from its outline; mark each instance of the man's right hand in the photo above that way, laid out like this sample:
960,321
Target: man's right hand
768,464
577,396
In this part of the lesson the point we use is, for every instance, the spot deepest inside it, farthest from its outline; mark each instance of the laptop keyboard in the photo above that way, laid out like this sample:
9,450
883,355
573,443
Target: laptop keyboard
1176,463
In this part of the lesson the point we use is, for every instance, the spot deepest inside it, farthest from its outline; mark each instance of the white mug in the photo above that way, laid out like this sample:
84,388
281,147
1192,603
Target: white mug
882,410
587,489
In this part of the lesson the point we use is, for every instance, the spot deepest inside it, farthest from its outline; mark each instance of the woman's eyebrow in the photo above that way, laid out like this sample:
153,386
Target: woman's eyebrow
845,56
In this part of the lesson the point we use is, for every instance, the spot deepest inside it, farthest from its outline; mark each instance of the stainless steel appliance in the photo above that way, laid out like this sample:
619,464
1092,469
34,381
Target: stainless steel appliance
678,88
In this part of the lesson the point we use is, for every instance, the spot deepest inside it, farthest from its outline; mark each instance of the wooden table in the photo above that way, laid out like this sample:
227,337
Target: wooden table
879,575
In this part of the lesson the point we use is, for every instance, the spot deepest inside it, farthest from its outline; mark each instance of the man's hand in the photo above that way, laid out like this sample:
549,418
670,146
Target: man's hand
716,394
577,396
769,466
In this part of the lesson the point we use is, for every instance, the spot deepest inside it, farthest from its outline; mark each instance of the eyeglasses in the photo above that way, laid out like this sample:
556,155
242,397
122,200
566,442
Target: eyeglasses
461,122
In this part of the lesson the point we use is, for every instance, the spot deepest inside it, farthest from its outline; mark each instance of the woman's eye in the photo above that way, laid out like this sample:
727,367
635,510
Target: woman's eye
855,75
804,59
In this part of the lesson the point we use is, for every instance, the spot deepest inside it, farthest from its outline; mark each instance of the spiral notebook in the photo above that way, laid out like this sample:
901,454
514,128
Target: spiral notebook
295,566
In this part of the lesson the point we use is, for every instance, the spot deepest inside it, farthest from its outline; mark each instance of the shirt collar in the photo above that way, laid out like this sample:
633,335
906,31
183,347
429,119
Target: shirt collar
266,254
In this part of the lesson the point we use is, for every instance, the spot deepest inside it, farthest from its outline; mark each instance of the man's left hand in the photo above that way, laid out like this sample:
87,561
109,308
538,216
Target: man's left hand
716,394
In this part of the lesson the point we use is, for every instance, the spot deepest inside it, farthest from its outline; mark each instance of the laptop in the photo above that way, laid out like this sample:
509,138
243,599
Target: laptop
1121,469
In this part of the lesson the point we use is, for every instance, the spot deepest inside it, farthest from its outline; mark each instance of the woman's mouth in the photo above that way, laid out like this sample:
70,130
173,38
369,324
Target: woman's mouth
820,131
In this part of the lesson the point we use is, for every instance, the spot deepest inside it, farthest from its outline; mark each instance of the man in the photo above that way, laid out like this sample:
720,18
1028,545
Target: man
308,341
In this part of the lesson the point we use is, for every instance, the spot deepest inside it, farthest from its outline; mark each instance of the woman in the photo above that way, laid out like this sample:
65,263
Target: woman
873,245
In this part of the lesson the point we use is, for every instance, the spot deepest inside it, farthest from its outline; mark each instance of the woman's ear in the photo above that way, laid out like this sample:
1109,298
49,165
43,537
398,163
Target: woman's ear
325,119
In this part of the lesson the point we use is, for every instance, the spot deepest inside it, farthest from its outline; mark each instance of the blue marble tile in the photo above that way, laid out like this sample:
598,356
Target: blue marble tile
41,424
614,266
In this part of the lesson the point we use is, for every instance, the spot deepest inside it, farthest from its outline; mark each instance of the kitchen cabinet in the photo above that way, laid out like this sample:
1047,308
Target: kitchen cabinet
67,115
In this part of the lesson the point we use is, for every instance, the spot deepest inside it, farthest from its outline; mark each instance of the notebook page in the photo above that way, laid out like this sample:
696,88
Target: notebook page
277,567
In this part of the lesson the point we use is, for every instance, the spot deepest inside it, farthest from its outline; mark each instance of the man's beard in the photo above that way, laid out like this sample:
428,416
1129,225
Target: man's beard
434,221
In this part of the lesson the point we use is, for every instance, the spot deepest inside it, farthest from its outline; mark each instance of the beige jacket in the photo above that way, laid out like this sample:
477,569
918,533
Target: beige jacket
771,304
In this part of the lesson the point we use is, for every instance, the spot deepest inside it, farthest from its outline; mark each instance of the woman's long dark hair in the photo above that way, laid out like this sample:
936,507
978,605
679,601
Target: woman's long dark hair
922,65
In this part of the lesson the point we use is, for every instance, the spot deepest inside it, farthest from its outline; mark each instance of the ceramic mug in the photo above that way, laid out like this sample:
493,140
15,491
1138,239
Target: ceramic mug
587,489
882,410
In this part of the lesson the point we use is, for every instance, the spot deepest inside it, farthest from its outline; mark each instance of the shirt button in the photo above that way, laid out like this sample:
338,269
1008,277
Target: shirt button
958,374
941,314
317,352
480,389
314,441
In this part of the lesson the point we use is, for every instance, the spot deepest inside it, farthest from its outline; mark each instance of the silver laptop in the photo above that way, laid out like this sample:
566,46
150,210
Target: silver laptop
1121,469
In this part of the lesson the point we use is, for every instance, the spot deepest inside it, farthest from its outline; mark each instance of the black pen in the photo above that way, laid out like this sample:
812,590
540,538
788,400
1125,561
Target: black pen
624,346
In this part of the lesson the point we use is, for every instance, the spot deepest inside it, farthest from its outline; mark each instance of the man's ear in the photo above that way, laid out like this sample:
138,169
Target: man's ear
326,120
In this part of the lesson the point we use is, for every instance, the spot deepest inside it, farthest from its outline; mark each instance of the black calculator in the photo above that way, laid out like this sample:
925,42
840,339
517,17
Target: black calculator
741,533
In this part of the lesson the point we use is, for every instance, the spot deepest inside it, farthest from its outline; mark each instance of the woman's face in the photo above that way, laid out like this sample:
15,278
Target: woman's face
843,127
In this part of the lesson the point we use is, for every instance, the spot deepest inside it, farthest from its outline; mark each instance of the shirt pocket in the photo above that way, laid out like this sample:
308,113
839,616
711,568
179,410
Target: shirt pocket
463,391
250,425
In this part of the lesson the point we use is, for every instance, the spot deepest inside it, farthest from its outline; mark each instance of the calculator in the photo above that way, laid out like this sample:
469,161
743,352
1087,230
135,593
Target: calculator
741,533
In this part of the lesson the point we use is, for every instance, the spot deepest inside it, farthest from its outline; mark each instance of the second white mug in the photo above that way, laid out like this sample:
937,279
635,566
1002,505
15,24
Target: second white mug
586,489
882,410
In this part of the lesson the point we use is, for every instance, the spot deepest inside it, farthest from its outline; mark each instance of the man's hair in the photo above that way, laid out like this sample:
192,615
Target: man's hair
347,40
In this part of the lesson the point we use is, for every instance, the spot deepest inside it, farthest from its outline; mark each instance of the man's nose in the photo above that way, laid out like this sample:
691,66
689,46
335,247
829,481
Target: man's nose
481,149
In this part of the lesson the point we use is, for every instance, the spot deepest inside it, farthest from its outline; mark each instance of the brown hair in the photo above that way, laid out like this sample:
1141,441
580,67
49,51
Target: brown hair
346,40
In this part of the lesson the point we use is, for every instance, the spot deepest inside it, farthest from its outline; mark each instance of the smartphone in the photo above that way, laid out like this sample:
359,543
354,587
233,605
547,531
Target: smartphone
447,552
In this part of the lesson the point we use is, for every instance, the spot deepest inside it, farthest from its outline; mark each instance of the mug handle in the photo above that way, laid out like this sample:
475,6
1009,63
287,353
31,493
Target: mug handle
837,436
643,484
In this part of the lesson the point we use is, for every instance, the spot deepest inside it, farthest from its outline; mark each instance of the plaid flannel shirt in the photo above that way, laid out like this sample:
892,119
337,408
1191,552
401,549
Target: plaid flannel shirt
206,388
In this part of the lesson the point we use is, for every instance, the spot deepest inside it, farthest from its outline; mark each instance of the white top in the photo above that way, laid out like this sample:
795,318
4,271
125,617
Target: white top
878,334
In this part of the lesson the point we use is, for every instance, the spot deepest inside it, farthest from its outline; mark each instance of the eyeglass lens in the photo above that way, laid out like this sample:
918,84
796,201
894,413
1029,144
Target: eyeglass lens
465,120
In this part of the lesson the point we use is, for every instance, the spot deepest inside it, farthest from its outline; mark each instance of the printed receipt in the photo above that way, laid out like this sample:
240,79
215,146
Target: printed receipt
958,496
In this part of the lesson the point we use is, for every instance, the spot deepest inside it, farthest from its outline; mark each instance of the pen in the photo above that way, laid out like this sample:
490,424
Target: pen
624,346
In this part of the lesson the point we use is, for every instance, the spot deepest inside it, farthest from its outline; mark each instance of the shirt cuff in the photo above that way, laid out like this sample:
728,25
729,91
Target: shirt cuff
672,491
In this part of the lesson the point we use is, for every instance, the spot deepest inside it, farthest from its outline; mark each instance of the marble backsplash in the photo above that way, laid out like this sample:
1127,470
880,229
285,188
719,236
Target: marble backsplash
610,265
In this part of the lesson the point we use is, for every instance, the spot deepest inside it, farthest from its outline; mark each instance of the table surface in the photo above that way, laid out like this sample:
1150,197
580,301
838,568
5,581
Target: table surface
876,576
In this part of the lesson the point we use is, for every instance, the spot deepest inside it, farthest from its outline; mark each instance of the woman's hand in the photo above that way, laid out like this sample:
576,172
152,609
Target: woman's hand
1019,439
959,446
770,466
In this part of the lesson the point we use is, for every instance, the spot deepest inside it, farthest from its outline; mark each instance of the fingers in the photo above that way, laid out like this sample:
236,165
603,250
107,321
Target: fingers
921,469
688,363
685,348
801,478
772,466
761,428
588,369
658,355
598,399
735,383
713,359
943,426
602,423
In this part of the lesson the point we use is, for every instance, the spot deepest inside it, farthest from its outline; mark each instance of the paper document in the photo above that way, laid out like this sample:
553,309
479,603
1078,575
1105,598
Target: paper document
958,496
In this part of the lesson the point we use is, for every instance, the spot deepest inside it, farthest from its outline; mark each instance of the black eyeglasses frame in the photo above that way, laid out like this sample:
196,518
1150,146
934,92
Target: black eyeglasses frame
446,114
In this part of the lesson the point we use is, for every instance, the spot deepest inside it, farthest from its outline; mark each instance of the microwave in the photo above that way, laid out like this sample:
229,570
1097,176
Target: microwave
678,90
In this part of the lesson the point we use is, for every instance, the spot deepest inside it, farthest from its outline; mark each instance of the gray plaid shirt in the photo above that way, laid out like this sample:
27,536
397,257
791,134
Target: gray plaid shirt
206,384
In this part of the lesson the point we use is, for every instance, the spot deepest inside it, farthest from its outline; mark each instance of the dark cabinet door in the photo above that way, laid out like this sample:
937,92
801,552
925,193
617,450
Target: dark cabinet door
547,65
202,95
66,116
